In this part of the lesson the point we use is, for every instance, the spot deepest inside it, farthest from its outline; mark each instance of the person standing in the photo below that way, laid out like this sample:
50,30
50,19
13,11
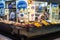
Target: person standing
12,16
41,17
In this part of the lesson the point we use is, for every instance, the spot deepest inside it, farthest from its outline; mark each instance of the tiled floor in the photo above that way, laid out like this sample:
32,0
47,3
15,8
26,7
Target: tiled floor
2,37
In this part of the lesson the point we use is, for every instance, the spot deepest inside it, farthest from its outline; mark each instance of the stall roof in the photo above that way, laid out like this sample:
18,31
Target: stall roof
51,1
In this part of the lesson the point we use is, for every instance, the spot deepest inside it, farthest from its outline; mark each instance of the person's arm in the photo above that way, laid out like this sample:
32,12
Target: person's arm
39,18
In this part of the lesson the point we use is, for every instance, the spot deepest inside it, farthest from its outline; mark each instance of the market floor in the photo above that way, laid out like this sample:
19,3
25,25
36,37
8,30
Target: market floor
57,39
2,37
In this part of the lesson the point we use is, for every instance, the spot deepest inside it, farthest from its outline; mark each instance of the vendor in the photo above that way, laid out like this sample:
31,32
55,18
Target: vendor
12,16
42,16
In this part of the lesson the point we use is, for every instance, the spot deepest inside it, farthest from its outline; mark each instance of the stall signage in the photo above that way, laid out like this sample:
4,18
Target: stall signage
21,4
7,0
1,5
54,5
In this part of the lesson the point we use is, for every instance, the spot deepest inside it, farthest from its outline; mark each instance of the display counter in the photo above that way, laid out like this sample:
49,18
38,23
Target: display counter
15,27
